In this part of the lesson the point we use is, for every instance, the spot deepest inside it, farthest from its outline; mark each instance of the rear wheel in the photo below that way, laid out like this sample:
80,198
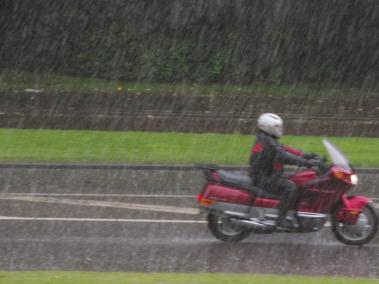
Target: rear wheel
225,230
359,233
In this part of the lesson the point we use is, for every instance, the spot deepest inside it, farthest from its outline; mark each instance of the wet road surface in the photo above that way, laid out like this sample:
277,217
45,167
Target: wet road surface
151,233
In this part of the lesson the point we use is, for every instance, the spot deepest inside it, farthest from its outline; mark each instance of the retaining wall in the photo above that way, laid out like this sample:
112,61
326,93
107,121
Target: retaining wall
304,115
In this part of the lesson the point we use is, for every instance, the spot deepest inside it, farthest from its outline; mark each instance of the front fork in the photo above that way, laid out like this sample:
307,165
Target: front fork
350,207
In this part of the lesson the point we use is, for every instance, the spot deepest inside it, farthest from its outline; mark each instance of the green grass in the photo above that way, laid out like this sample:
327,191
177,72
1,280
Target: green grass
166,278
18,81
158,147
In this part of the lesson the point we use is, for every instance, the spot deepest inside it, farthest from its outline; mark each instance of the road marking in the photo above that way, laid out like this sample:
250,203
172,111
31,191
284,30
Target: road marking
15,218
95,194
113,195
100,220
96,203
108,204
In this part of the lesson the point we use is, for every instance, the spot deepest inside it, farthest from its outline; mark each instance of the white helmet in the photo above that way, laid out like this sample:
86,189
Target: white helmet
271,124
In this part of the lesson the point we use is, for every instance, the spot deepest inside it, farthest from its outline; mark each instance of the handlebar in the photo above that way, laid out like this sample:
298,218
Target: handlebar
323,166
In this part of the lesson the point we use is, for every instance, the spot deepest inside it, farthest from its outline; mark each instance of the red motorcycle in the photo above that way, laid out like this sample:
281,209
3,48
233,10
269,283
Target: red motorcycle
235,208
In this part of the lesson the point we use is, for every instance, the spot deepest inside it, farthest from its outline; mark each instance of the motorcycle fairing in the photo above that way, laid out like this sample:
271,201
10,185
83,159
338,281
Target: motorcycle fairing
303,178
352,206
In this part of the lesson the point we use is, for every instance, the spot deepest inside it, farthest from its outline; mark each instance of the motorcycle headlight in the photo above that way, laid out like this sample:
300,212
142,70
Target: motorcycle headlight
354,179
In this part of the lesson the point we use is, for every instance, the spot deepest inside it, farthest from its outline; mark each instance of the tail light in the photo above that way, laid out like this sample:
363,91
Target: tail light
199,198
204,201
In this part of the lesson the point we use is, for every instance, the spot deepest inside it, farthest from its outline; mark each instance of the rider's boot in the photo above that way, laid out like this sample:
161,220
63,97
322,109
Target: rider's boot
285,224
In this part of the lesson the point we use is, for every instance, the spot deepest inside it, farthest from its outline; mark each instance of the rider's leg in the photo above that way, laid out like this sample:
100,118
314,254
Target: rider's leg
288,191
288,200
278,185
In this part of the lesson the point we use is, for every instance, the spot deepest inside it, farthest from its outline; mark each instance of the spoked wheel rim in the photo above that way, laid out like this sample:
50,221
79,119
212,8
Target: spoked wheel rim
226,226
361,229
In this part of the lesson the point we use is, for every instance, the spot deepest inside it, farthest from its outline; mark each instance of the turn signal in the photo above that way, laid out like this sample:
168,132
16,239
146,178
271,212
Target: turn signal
347,177
339,175
207,202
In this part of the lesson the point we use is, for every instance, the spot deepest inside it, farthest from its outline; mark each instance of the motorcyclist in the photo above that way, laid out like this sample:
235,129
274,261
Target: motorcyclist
266,164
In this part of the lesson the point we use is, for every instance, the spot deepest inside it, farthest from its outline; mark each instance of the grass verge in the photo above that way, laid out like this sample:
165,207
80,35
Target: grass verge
22,145
166,278
18,81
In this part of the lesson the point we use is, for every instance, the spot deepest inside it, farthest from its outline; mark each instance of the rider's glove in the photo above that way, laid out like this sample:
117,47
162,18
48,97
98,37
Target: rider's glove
313,163
310,156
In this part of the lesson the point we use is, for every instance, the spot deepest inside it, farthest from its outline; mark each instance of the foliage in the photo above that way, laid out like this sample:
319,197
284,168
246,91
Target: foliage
18,81
215,41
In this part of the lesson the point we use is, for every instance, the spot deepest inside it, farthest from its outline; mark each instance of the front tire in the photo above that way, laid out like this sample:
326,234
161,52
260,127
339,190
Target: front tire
225,230
360,233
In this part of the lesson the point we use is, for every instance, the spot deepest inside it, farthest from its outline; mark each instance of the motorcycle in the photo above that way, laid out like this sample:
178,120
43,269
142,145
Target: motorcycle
235,208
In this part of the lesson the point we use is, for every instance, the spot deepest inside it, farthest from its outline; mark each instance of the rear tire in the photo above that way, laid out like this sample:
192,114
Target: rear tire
223,229
359,234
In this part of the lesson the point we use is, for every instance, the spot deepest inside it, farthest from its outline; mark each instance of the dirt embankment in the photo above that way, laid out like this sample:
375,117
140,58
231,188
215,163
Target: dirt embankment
337,116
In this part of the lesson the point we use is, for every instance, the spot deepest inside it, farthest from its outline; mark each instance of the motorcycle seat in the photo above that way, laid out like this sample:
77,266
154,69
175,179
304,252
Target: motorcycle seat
243,182
237,180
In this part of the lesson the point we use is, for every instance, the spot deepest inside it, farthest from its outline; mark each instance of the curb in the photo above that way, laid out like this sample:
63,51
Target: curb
144,167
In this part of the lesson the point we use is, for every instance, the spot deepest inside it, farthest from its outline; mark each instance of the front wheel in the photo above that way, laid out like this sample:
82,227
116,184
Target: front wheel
225,230
359,233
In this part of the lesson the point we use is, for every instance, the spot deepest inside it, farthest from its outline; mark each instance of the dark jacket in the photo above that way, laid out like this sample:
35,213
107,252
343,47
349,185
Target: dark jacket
268,157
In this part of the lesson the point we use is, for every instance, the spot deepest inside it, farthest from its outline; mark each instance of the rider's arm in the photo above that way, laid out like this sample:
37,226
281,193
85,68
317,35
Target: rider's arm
307,156
293,151
289,158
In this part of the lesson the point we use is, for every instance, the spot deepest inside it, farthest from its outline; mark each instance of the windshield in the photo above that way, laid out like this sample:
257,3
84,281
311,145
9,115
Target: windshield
336,155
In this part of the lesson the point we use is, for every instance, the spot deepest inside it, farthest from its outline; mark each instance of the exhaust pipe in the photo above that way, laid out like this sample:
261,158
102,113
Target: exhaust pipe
252,223
310,215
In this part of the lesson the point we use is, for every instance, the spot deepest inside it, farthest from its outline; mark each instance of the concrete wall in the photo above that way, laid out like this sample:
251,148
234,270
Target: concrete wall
303,114
126,179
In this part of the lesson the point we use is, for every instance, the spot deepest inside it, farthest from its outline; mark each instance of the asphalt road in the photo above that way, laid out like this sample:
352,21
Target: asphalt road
151,233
